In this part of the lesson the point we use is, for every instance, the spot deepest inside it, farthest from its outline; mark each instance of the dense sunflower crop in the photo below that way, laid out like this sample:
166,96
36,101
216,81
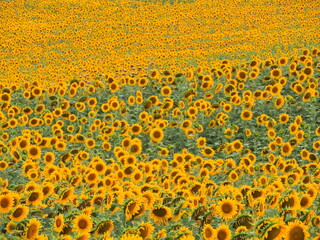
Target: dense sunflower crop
199,154
55,41
136,120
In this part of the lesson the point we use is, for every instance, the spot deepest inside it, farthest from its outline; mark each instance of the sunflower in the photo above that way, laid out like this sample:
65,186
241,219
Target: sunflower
208,232
286,149
19,213
11,227
166,91
132,208
276,73
35,197
242,75
305,201
237,146
104,228
201,142
83,223
67,195
274,231
6,203
90,143
58,223
246,115
156,134
47,189
161,214
208,152
223,233
227,208
136,129
145,230
283,61
284,118
128,236
296,230
34,152
33,228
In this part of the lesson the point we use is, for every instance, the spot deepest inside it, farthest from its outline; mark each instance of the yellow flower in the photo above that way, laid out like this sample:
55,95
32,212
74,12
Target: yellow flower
227,208
161,214
19,213
223,233
33,228
58,223
297,230
208,233
6,203
83,223
156,135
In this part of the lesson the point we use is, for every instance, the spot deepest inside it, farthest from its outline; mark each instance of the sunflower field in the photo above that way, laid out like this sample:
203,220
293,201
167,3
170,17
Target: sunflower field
163,120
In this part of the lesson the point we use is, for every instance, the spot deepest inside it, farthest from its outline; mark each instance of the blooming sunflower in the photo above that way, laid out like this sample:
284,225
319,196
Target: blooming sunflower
35,197
83,223
296,230
131,237
161,214
34,152
156,135
246,115
104,228
19,213
222,233
227,208
33,228
6,203
274,231
132,208
145,230
58,223
208,232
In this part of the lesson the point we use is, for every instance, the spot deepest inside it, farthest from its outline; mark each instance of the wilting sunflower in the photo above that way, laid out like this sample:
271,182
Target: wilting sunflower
208,233
6,203
19,213
227,208
161,214
83,223
222,233
58,223
297,230
33,228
